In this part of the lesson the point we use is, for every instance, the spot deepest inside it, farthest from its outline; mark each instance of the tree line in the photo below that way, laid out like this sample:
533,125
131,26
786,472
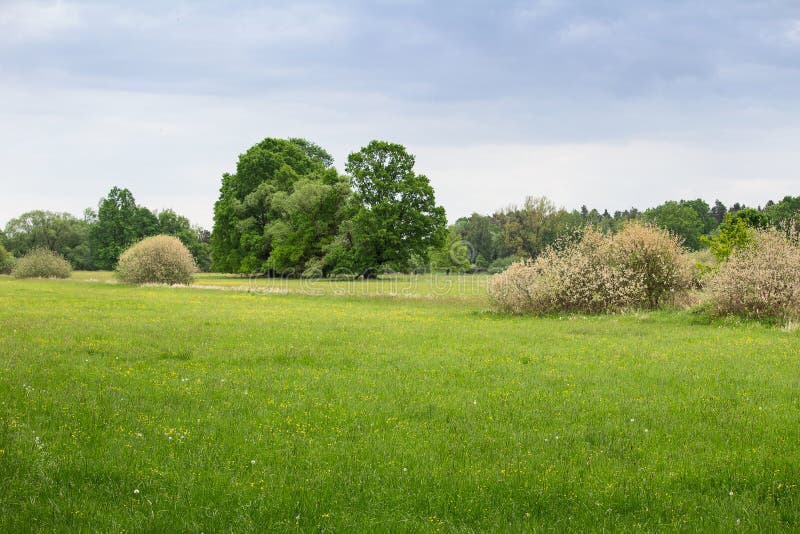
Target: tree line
287,211
492,242
96,240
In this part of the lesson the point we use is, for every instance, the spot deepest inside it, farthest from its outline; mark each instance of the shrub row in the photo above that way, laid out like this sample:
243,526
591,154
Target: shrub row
640,267
644,267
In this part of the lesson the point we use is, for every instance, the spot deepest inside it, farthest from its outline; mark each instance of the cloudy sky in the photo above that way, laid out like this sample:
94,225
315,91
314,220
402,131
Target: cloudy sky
609,104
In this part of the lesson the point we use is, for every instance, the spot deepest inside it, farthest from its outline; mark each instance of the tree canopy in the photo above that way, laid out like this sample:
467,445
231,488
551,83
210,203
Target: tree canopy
396,216
278,210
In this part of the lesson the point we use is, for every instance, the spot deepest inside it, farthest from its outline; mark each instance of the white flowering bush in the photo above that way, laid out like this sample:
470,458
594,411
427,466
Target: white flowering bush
594,273
657,258
160,259
760,280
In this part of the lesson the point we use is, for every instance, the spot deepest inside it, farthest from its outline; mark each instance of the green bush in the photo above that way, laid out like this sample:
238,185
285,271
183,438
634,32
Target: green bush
160,259
42,263
6,261
759,280
641,267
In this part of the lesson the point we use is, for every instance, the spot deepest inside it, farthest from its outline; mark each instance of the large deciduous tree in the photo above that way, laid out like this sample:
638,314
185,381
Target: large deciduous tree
396,216
277,211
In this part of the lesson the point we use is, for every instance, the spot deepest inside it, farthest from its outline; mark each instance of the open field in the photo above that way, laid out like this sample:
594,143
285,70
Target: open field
387,408
439,287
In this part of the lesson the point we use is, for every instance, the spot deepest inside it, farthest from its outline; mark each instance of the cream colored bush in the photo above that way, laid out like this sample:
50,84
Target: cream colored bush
511,290
640,267
657,257
42,263
760,280
161,259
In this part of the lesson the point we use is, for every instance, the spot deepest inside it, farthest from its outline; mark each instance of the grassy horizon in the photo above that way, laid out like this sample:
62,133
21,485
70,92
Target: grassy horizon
166,409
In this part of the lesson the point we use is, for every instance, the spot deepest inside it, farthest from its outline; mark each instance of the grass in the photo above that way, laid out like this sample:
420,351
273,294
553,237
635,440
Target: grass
167,409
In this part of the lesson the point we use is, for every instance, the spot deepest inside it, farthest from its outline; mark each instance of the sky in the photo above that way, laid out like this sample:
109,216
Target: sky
609,104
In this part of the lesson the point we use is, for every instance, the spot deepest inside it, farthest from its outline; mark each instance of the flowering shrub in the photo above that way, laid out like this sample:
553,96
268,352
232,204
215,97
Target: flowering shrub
511,290
595,272
42,263
657,257
161,259
761,279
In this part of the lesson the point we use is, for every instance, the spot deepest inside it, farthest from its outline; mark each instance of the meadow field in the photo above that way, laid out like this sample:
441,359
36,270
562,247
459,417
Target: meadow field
393,405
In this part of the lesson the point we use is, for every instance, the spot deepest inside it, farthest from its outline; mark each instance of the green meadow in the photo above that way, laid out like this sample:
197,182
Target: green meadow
393,405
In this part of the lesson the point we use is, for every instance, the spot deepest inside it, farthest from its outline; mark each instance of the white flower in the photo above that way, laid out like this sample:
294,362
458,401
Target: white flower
730,493
252,462
646,430
632,419
405,470
136,491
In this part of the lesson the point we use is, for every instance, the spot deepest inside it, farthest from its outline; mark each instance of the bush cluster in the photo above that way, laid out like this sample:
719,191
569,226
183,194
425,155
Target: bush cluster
640,267
6,261
761,279
160,259
42,263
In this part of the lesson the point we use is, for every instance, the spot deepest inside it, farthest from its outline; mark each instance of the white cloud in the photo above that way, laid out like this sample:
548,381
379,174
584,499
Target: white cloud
22,22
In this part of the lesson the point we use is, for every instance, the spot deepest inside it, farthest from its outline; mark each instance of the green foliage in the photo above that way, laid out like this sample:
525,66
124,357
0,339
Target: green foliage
59,232
733,234
682,219
160,259
42,263
483,235
704,212
6,260
752,217
120,223
257,213
396,216
528,230
784,211
452,256
309,218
